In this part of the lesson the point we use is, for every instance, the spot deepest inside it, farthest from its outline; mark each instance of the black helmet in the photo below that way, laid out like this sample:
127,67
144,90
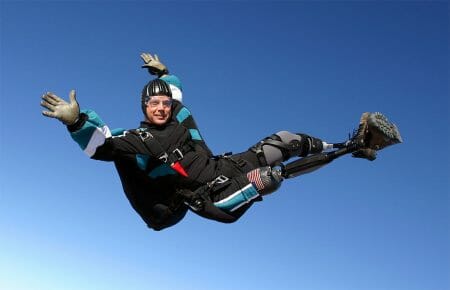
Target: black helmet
156,87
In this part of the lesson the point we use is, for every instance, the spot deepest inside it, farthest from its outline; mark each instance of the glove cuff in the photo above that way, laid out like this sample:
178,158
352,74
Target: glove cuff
155,71
82,118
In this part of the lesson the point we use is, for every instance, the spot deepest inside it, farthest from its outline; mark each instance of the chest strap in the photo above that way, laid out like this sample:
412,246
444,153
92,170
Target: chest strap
155,149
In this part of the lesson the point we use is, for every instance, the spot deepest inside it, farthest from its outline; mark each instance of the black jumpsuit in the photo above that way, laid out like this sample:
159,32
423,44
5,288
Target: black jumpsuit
152,185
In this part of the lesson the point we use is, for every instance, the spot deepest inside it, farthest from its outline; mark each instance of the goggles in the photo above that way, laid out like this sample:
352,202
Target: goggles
153,103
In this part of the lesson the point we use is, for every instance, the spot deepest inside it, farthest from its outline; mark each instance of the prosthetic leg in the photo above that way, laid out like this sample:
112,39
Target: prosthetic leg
226,200
312,162
374,133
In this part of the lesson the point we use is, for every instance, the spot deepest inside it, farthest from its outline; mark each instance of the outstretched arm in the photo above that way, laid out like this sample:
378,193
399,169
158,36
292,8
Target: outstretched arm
85,127
88,129
180,113
156,67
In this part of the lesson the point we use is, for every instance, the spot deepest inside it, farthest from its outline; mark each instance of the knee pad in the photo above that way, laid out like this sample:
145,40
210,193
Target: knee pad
265,179
283,145
276,148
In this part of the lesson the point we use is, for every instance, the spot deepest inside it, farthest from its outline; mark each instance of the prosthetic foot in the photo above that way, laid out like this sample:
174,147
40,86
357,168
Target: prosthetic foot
380,127
374,133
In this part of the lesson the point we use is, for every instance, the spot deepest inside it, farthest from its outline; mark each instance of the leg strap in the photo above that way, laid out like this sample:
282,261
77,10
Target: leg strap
200,203
226,200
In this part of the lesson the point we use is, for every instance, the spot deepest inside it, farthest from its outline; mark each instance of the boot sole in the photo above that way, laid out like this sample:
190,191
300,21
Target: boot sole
379,122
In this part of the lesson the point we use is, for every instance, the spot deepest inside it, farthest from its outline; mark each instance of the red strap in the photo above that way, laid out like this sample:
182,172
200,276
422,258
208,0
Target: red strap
178,168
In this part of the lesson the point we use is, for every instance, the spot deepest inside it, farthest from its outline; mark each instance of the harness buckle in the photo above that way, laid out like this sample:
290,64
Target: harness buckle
178,154
221,179
145,135
196,204
164,158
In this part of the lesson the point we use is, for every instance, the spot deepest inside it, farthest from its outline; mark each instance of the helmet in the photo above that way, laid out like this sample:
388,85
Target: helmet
156,87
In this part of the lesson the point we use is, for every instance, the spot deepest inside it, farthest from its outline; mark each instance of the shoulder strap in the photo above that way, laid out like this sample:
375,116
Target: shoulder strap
156,149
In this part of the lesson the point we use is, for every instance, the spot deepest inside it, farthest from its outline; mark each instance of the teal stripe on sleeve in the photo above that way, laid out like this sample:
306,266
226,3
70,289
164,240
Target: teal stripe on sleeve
183,114
172,80
117,131
83,136
94,118
195,134
238,199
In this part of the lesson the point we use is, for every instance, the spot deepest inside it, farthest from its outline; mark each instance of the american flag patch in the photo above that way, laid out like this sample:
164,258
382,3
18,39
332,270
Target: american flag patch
255,178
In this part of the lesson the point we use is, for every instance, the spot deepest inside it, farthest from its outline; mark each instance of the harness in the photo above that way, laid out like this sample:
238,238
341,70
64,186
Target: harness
171,150
157,149
200,201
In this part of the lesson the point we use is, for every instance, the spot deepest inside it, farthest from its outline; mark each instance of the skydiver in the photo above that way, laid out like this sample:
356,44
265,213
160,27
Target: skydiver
165,166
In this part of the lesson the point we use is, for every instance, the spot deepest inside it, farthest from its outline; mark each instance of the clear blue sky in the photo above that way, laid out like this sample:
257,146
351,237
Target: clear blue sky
249,69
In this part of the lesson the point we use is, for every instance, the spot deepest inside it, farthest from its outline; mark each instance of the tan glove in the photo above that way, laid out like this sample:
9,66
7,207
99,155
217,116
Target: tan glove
67,113
153,64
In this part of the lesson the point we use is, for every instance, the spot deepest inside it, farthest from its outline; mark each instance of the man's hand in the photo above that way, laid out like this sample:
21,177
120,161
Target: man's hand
155,67
58,108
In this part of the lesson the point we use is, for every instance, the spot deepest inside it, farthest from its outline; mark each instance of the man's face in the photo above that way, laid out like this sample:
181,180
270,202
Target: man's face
159,109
